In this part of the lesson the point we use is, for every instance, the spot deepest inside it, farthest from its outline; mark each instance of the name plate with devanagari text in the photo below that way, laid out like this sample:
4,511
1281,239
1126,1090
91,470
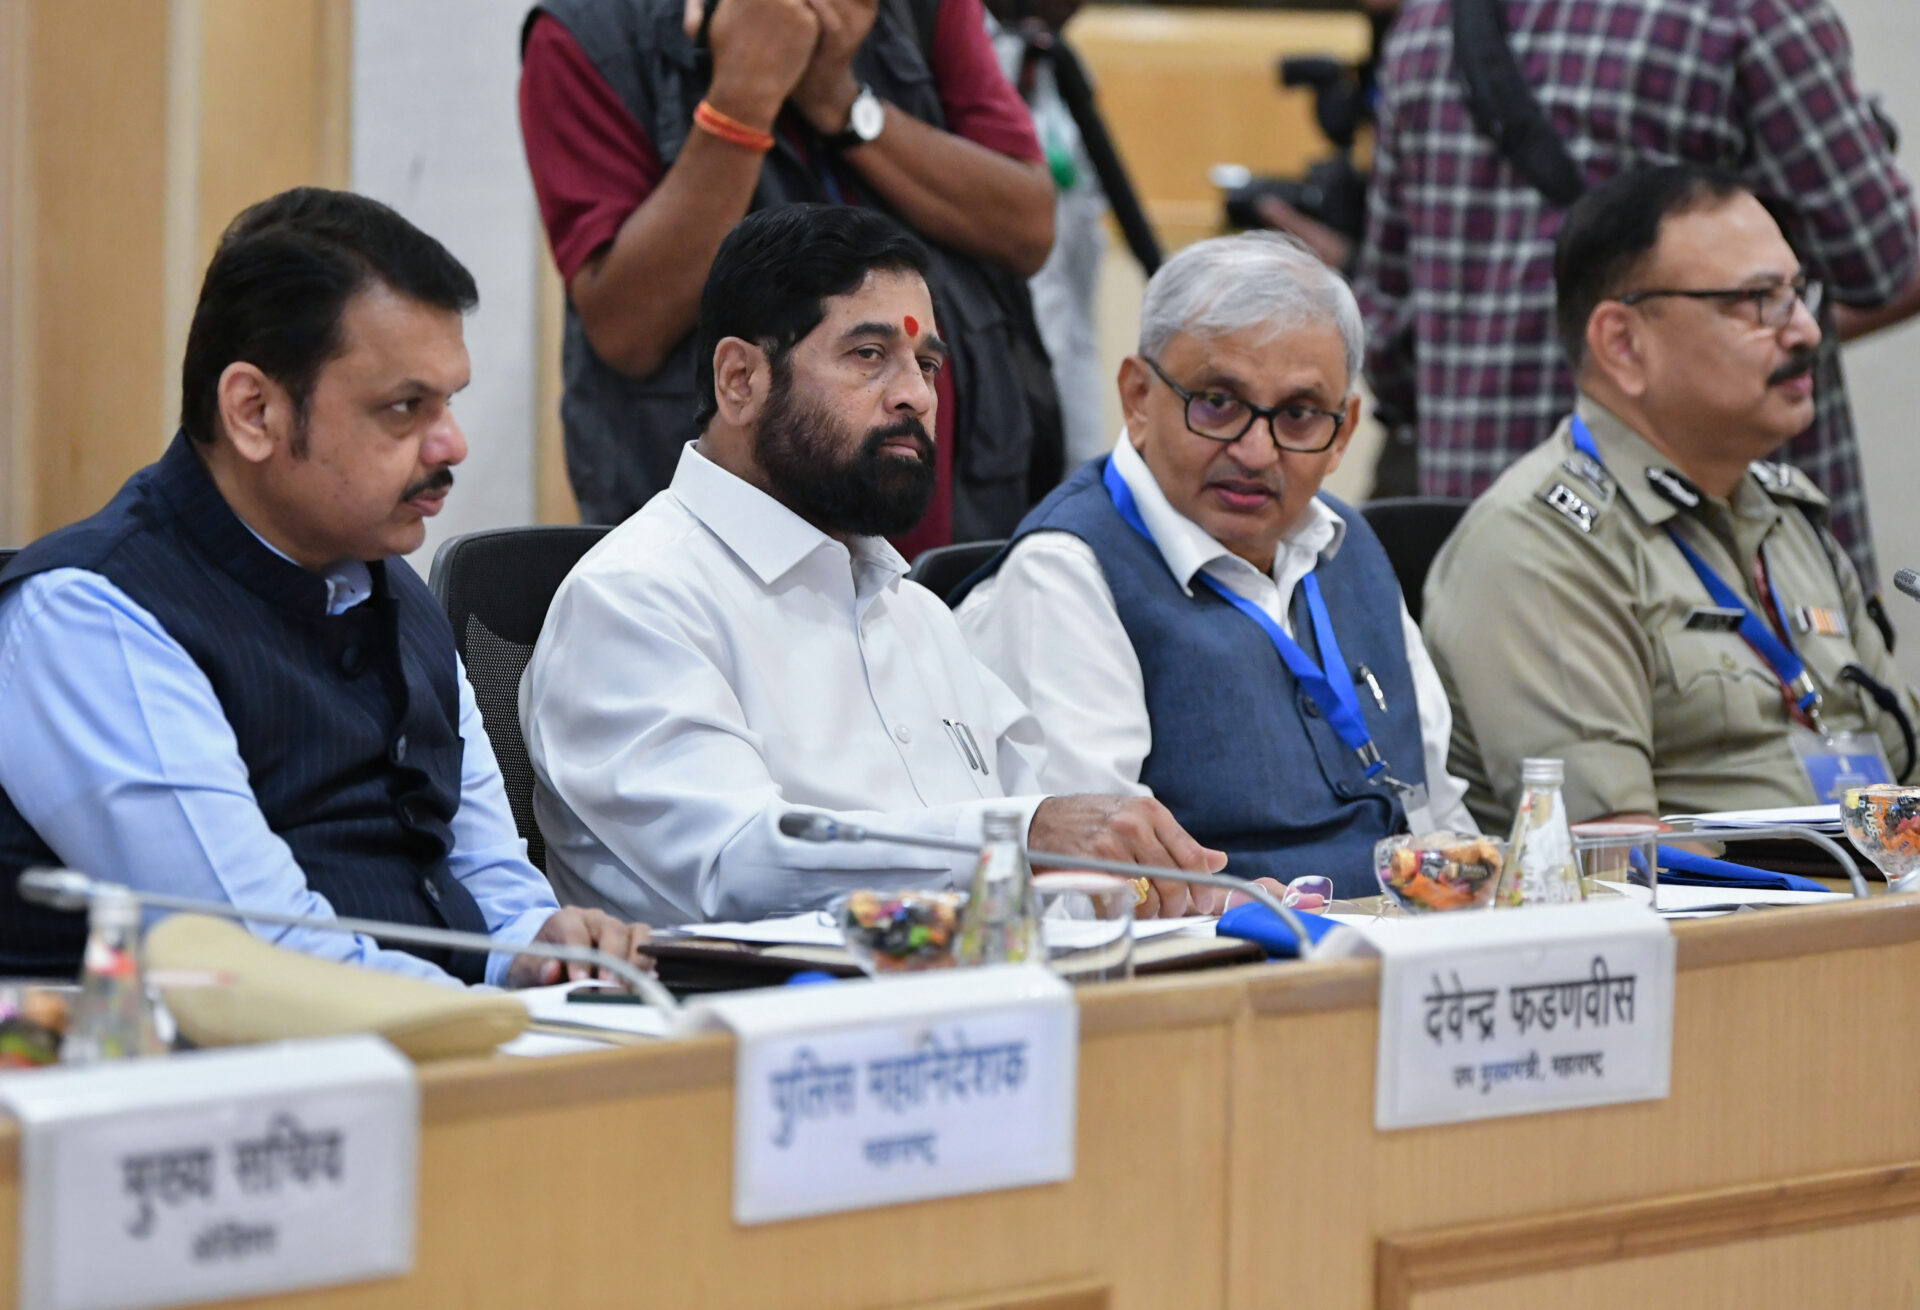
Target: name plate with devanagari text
215,1174
1503,1012
873,1093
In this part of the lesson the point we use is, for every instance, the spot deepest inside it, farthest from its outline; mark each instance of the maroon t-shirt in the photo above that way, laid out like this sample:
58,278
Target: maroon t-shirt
593,163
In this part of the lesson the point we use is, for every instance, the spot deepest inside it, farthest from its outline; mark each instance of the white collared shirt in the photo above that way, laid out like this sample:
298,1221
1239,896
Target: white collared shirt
1046,623
717,661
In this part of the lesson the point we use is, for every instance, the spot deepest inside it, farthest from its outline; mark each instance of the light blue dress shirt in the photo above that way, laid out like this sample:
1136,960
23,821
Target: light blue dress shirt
117,751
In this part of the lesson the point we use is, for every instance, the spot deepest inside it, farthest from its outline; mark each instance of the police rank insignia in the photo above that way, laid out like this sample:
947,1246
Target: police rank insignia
1777,476
1673,488
1820,622
1590,471
1568,502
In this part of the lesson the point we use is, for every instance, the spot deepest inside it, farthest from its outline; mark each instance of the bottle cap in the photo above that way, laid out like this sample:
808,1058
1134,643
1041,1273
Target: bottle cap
1542,773
114,910
1001,825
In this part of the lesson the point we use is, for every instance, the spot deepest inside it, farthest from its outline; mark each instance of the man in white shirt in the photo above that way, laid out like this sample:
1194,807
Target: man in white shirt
746,643
1190,619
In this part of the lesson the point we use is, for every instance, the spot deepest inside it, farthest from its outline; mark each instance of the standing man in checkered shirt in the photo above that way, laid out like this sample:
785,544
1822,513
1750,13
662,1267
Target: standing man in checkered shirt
1456,275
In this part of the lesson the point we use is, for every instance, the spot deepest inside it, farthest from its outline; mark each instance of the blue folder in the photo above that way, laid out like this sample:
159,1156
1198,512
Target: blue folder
1254,922
1685,869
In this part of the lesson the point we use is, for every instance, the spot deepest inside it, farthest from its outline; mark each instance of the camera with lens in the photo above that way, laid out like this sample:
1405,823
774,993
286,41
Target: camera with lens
1333,190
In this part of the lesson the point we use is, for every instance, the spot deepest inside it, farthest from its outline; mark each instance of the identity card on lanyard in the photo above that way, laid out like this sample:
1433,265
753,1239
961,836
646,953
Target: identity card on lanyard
1832,761
1332,690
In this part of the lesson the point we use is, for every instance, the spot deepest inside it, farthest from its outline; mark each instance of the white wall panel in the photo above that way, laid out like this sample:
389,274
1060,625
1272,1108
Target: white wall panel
1882,376
436,135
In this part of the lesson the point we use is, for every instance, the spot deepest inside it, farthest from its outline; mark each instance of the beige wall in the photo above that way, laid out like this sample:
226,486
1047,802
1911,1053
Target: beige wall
132,132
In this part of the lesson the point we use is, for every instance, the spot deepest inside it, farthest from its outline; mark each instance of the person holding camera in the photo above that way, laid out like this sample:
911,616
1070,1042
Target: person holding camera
650,131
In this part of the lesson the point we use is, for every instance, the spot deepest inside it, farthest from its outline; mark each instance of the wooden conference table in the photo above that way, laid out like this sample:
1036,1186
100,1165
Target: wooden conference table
1227,1157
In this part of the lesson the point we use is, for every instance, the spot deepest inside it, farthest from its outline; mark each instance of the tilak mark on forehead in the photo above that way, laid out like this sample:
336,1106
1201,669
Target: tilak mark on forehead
912,325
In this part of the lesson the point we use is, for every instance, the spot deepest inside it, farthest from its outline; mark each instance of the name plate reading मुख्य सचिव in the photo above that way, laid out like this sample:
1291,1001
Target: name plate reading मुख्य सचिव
858,1094
209,1175
1518,1011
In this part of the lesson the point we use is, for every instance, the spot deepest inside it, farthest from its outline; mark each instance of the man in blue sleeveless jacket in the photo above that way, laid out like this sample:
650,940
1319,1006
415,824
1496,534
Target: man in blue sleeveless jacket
226,684
1190,619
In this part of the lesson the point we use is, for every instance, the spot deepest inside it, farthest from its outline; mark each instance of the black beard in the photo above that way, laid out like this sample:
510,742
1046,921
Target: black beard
869,493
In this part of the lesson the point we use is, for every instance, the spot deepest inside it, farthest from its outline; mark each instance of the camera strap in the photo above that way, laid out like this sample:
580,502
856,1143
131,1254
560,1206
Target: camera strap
1503,106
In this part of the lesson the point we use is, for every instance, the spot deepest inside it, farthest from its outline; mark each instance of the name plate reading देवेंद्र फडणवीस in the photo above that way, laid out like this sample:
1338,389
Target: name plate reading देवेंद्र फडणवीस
1519,1011
858,1094
215,1174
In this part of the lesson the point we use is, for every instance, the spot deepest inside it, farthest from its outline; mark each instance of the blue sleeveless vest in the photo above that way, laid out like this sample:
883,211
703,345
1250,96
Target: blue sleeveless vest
348,724
1241,754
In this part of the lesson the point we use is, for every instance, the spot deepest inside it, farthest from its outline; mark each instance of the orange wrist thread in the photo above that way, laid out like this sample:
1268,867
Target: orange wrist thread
731,130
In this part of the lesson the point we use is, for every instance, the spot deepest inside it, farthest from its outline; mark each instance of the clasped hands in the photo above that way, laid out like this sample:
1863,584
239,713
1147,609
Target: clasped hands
767,53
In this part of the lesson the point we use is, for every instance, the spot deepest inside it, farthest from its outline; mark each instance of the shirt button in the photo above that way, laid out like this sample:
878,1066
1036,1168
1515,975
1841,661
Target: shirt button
400,749
1728,663
902,733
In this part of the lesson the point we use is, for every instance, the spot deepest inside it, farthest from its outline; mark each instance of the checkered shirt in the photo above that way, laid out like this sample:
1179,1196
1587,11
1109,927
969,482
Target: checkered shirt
1456,275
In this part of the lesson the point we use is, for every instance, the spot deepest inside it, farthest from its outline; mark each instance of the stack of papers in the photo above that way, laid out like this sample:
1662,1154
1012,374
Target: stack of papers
1821,818
817,929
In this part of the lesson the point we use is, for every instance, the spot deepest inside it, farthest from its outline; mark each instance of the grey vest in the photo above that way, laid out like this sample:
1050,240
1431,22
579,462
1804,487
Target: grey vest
1241,754
624,434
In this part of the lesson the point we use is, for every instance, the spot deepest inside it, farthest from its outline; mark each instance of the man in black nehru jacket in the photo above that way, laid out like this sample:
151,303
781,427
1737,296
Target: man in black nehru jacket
226,684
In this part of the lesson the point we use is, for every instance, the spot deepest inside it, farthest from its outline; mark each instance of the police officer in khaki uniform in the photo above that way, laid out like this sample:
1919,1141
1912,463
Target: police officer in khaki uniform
1638,596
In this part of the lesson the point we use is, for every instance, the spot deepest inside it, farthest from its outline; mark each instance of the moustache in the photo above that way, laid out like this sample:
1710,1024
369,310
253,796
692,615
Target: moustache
906,427
1230,471
438,480
1800,362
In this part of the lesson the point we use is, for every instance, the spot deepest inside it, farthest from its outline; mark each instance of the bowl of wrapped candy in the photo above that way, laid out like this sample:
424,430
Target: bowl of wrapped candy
1883,823
897,932
1439,871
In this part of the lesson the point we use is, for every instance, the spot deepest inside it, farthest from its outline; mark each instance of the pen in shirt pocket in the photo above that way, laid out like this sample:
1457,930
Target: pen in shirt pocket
963,741
1373,685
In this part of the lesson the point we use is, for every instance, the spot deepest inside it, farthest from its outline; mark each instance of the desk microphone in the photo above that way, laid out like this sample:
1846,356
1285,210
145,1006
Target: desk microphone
67,889
1908,581
813,826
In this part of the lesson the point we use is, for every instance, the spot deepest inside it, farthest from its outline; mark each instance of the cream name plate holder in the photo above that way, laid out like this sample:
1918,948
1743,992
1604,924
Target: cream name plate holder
859,1094
215,1174
1499,1012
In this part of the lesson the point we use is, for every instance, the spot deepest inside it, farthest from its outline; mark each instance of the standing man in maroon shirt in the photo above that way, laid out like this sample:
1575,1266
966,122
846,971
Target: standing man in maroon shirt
648,141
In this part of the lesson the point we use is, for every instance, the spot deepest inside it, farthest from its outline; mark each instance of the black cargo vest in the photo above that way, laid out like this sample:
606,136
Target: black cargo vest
624,434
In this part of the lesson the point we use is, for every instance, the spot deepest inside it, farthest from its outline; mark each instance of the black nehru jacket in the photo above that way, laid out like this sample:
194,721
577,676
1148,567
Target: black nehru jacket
348,724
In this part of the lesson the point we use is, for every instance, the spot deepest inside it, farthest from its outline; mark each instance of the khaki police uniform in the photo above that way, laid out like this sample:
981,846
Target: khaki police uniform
1565,622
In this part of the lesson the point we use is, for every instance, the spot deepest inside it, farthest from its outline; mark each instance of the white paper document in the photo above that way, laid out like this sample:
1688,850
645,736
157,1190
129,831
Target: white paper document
1822,818
215,1174
1521,1011
817,929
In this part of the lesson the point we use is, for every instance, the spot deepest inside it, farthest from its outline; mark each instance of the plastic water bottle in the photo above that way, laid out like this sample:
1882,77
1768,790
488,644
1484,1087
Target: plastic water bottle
1001,924
113,1019
1540,868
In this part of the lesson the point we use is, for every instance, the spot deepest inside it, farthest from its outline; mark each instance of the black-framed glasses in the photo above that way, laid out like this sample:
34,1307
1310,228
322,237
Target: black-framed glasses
1772,304
1223,416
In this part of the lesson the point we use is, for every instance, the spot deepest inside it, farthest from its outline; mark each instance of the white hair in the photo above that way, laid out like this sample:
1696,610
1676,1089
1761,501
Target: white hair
1250,280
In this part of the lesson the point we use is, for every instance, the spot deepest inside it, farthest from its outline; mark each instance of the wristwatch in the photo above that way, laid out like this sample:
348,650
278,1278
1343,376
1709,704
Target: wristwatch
864,121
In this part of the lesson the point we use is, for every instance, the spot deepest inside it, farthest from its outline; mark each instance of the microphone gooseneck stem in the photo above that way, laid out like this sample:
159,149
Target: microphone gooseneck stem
648,987
820,829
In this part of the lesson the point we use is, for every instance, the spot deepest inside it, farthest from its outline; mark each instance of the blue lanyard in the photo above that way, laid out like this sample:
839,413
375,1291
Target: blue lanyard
1337,699
1780,657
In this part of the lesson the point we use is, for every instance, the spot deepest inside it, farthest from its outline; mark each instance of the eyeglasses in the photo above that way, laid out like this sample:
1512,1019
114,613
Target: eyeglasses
1772,304
1223,416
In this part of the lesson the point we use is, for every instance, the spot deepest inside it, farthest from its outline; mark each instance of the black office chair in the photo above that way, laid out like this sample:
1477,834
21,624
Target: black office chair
943,568
1412,529
496,587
